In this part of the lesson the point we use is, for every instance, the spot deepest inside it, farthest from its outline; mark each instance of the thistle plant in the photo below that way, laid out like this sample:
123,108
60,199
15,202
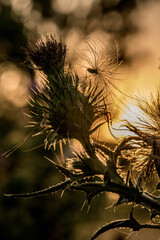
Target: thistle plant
67,107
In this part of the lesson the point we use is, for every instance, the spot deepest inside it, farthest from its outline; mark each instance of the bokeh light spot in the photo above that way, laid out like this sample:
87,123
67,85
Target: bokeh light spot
14,84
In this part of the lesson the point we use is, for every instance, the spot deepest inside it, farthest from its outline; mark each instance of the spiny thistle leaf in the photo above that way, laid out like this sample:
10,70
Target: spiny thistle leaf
80,166
90,188
49,190
83,163
68,173
90,179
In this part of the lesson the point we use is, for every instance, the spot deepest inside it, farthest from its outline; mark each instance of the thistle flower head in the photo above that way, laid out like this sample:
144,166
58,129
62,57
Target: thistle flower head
47,54
61,110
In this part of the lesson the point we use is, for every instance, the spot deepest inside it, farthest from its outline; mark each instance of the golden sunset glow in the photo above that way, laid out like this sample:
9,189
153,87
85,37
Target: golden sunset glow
76,78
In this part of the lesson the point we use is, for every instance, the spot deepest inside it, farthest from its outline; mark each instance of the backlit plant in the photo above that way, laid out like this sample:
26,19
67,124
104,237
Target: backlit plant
67,107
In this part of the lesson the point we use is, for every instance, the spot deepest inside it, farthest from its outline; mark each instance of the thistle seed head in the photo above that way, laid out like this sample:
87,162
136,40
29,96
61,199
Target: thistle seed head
150,108
148,126
99,64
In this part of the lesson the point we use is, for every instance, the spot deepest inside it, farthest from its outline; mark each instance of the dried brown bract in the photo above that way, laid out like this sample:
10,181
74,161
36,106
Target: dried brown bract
46,54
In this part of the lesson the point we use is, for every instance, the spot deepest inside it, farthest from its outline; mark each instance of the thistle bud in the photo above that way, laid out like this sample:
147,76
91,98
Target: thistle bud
47,54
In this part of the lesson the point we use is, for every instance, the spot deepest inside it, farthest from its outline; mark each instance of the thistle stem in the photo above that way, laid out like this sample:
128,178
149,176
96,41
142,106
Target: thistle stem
129,193
134,195
97,165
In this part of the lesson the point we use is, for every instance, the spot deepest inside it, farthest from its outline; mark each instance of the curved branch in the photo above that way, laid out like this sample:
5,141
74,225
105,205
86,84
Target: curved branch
128,223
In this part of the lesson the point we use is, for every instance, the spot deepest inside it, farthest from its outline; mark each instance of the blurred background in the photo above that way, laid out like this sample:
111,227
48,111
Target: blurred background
134,25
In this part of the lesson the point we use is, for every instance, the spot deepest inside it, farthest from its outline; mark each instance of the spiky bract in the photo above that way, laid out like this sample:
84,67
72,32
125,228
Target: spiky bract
62,111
